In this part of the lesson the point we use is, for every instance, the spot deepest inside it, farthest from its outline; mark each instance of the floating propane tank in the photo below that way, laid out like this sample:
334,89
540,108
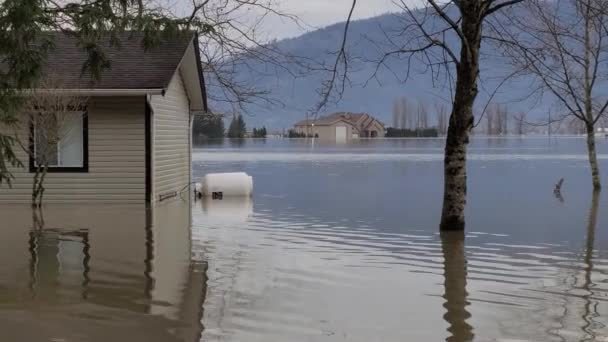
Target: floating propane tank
218,186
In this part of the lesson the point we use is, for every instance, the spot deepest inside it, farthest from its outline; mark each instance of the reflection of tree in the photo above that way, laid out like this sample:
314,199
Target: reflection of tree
572,282
37,218
590,311
455,283
59,260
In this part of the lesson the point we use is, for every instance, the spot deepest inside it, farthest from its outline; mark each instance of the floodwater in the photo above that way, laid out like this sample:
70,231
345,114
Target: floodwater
338,243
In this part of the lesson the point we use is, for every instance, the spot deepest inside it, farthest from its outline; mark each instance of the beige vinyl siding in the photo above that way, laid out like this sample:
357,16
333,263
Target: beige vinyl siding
116,159
171,139
326,132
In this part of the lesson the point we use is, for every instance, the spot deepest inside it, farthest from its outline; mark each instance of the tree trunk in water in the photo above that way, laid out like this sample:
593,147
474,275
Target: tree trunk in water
455,179
461,119
595,171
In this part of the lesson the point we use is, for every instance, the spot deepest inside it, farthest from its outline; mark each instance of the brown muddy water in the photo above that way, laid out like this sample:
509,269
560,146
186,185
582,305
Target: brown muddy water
338,243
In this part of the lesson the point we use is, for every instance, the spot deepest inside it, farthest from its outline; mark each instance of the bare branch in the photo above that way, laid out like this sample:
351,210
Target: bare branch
341,57
495,8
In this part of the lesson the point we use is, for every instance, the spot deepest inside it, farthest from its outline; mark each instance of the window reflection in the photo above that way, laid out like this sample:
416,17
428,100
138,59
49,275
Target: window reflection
59,262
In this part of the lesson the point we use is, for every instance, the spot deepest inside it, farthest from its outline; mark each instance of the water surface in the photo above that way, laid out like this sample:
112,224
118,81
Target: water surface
338,243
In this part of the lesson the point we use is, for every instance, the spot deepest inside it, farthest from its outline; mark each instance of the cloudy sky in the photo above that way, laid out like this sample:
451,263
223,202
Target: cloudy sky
313,14
320,13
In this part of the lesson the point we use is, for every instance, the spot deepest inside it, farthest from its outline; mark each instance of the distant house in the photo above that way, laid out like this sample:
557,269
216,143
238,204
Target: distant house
131,142
342,126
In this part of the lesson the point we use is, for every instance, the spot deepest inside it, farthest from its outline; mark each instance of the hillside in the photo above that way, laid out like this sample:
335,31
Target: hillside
375,96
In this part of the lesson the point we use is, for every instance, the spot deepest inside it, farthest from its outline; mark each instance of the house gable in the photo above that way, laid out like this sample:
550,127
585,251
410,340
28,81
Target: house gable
170,143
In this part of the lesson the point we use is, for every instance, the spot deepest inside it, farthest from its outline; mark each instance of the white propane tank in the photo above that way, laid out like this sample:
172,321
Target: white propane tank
220,185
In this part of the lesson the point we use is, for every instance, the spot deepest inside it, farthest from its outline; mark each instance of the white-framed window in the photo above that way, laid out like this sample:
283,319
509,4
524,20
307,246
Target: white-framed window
59,140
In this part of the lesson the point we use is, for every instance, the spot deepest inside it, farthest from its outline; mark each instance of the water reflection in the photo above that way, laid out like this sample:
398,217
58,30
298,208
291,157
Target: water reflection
228,211
590,311
59,263
98,273
455,287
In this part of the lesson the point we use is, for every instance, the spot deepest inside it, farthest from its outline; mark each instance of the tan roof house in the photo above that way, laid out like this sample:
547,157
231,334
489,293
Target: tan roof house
131,142
342,126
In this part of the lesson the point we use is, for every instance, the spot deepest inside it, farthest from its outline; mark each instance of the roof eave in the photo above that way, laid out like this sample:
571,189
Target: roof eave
101,92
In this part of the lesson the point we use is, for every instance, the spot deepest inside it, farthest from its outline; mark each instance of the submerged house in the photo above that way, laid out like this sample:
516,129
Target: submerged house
131,141
342,126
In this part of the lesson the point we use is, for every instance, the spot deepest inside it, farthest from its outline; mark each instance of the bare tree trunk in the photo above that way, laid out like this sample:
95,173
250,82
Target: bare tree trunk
35,187
41,188
595,171
461,120
38,186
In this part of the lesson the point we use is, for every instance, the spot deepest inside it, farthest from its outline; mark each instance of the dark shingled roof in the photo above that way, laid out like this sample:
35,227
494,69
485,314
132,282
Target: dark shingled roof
132,67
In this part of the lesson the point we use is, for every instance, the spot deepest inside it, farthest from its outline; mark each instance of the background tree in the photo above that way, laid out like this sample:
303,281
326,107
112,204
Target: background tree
442,118
423,116
502,122
401,113
520,123
563,45
259,132
237,128
209,126
490,117
396,115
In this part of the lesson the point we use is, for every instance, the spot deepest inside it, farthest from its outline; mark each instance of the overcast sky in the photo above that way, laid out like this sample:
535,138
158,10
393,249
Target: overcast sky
313,14
320,13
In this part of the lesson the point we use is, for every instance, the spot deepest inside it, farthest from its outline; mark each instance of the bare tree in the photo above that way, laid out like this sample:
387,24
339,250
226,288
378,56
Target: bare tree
423,116
407,118
237,46
442,118
563,45
51,114
490,117
396,115
400,112
575,126
501,117
520,123
423,36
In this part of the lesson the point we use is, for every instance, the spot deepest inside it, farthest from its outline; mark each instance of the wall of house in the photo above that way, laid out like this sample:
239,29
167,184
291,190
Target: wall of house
375,126
326,132
171,140
116,159
378,127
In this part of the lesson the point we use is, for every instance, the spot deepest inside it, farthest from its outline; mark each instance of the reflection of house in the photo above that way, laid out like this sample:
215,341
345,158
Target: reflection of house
131,141
342,126
99,273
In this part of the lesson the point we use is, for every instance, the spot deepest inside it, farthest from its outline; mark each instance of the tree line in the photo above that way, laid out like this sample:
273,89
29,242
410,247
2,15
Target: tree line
212,127
419,119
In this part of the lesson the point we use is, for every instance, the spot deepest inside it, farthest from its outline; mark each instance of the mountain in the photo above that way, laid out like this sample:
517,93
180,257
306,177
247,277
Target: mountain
364,93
